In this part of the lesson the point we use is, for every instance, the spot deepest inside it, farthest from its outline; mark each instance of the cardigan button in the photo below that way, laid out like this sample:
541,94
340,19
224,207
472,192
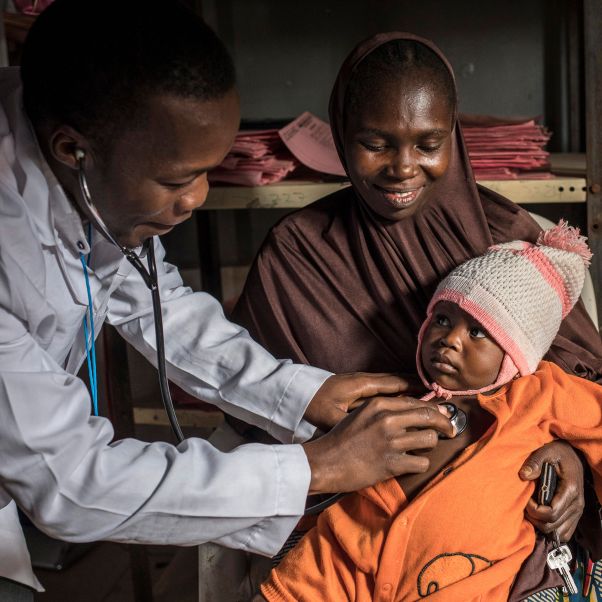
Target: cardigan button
387,587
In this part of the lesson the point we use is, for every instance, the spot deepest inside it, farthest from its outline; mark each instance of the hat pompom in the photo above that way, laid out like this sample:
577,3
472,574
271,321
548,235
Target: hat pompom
566,238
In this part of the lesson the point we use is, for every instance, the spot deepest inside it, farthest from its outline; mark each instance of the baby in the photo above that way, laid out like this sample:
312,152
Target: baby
459,533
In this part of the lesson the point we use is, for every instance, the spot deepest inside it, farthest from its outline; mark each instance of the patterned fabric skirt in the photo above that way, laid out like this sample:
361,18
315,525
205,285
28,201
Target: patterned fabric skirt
588,578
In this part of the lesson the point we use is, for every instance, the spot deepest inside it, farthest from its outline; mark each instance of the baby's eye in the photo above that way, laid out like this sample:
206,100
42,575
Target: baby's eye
442,320
477,333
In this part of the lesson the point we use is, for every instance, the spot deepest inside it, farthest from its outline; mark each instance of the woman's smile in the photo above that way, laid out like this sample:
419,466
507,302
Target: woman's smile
397,197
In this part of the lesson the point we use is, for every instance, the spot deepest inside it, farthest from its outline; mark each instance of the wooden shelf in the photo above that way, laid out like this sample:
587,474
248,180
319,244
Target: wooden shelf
291,194
187,418
559,190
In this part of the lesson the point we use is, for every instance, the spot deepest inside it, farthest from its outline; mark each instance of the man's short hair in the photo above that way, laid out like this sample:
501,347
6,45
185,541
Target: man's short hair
92,63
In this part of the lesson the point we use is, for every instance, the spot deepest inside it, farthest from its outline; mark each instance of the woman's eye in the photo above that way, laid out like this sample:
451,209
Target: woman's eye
373,147
429,148
478,333
442,320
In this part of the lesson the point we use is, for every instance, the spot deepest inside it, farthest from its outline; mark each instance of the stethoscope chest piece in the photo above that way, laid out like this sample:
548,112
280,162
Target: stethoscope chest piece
457,417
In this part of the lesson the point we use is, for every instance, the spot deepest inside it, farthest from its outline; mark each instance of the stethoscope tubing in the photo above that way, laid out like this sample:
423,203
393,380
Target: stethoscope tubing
151,280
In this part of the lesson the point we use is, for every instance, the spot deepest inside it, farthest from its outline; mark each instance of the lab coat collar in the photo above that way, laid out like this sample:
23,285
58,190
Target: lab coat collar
52,213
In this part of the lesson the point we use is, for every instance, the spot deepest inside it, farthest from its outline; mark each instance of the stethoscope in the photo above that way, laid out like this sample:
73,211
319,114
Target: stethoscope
150,279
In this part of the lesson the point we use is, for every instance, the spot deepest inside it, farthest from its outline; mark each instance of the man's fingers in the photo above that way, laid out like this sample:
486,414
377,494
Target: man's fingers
398,415
358,403
401,403
375,443
370,385
346,392
421,439
407,463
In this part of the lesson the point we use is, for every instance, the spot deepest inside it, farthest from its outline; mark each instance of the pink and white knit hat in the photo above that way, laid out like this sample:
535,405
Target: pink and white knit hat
519,292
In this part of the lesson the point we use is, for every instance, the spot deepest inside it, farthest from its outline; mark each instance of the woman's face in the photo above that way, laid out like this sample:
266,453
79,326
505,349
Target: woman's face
397,143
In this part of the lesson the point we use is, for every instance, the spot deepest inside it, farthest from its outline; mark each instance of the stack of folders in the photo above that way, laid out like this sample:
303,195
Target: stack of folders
506,149
258,157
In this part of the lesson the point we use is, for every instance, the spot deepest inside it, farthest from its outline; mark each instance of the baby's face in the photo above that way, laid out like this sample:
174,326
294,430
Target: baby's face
457,352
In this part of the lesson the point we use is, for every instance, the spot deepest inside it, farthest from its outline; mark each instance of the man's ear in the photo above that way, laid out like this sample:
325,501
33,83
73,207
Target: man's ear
67,145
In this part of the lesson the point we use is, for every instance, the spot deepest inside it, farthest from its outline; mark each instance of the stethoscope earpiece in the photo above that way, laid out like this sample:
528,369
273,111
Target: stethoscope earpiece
79,154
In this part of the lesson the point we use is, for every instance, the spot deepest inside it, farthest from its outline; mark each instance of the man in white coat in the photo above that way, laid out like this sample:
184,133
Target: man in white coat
144,92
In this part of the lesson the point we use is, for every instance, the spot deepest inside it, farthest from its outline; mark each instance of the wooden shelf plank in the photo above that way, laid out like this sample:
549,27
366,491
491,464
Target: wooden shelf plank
186,418
289,194
558,190
292,194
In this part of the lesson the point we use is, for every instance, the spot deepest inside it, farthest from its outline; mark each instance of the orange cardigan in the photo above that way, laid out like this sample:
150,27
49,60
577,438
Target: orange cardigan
464,537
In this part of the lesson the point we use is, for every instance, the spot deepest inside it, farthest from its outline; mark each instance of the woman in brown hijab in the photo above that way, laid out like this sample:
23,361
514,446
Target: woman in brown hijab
344,283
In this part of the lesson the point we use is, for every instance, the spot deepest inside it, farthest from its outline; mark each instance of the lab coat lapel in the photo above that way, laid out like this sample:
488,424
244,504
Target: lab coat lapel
56,221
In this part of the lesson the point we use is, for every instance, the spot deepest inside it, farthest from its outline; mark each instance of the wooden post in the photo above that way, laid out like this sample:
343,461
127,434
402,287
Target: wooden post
119,390
575,104
592,20
121,411
209,255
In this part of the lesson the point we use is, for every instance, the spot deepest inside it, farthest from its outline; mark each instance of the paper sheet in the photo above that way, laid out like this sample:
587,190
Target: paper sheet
310,140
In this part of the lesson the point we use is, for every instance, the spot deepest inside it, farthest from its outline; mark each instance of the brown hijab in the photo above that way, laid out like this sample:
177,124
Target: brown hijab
339,287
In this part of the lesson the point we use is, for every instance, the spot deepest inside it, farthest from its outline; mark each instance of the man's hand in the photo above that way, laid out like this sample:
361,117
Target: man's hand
343,392
370,445
568,502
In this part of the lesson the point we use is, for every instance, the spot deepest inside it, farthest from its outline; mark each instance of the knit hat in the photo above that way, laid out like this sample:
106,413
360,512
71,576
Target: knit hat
519,292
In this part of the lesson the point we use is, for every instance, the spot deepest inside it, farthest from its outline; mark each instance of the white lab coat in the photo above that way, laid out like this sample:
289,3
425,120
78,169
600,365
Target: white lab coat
56,460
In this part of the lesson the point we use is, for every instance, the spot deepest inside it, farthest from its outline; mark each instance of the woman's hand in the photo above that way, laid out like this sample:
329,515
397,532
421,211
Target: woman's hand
371,444
568,502
344,392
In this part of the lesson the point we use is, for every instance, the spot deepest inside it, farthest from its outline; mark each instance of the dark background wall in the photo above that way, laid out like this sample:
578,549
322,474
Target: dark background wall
288,52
